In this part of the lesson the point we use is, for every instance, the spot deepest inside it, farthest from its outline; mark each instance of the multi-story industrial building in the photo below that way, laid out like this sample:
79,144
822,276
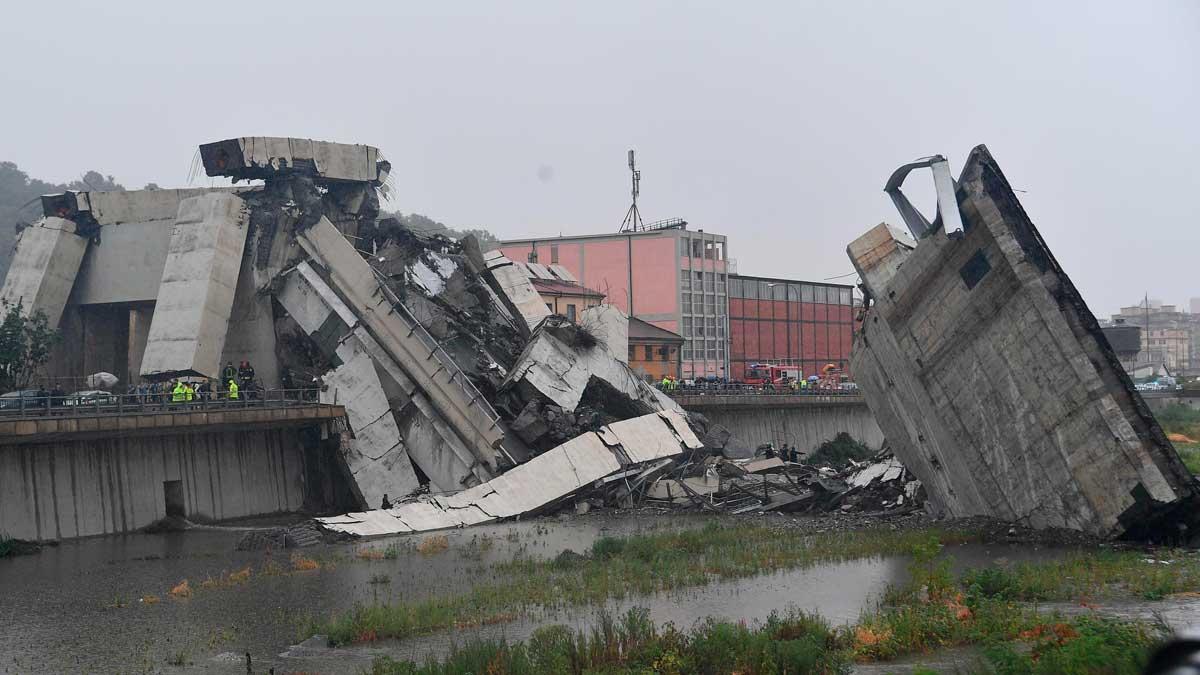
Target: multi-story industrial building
782,321
670,277
1169,336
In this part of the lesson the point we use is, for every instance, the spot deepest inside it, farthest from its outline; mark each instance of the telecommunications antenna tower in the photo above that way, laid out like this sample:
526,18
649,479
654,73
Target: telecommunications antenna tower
633,219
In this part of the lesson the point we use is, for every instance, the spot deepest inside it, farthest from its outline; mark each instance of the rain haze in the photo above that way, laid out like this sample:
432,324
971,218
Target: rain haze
773,123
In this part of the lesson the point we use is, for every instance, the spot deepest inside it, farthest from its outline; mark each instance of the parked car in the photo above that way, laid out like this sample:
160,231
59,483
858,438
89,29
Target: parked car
91,397
22,398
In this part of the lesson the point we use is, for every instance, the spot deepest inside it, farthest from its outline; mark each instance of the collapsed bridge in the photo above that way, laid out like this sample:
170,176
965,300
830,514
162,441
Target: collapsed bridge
448,367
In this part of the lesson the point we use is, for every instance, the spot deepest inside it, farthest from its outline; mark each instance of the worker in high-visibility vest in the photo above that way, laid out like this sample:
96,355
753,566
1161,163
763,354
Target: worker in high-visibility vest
666,383
233,390
188,392
179,393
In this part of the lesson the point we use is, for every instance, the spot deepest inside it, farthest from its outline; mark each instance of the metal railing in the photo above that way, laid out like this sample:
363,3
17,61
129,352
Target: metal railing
738,389
150,402
457,376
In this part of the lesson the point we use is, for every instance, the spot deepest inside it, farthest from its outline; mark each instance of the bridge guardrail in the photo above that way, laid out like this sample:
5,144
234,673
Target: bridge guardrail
733,389
124,404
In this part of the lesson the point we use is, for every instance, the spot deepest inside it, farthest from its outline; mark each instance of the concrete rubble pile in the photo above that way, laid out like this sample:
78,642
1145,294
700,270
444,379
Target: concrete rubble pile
991,379
765,483
457,382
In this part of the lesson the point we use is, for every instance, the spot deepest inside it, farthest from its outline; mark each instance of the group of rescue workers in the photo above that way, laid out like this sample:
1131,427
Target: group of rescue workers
236,385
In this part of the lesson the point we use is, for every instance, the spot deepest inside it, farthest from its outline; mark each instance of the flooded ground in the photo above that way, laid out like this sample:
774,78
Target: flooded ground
86,606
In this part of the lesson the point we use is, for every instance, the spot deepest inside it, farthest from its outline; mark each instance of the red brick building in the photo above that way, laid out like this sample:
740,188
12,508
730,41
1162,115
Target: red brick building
786,321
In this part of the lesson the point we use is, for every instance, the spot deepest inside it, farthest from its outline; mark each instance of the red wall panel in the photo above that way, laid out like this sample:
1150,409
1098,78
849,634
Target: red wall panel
781,340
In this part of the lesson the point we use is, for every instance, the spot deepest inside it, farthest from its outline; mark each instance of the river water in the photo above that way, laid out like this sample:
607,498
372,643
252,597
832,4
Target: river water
83,606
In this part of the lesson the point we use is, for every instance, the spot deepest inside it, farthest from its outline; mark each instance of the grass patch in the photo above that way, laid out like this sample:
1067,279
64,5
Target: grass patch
619,568
934,612
1190,454
1093,575
795,643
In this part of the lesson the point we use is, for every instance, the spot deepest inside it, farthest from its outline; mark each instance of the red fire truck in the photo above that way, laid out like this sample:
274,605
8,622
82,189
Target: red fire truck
774,374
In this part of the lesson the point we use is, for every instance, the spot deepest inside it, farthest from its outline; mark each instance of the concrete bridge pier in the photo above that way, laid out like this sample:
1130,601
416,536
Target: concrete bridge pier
805,420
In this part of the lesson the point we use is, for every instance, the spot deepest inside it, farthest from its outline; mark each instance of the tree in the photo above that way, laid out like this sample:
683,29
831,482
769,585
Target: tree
25,344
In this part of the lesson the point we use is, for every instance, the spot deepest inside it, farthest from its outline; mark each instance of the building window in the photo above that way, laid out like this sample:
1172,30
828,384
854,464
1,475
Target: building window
687,326
793,292
685,247
649,352
806,293
819,294
735,288
664,353
844,297
550,307
697,248
685,279
571,312
632,356
532,257
687,351
554,254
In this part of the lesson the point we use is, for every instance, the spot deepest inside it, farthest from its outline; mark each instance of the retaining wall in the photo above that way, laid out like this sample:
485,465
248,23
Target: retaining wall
89,486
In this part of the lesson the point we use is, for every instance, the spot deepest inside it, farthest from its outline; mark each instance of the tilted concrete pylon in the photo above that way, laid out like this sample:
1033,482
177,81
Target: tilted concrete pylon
44,266
992,381
191,314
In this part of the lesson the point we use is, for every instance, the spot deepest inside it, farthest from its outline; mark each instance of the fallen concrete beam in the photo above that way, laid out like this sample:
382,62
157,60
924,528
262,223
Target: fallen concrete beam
191,314
44,266
992,382
405,340
429,442
534,485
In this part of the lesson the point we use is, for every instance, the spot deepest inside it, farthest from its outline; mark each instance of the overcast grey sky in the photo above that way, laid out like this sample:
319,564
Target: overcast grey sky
773,123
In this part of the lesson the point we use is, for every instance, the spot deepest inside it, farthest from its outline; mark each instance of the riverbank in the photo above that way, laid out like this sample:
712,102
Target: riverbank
428,595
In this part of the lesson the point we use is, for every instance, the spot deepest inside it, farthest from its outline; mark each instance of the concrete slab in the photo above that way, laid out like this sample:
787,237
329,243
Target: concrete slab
550,368
515,285
191,314
376,457
44,267
543,480
611,327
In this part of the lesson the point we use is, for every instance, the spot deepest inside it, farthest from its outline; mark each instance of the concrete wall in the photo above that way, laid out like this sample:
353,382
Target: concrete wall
807,425
76,488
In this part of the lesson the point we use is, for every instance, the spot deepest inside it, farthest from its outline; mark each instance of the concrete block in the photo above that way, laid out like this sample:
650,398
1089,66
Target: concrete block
191,315
376,457
611,327
264,156
44,267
